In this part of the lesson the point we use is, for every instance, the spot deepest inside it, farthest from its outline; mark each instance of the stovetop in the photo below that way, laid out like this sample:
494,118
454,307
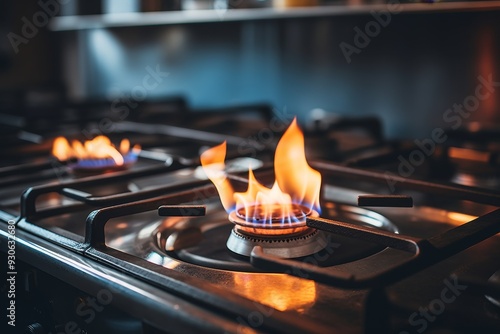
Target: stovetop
160,225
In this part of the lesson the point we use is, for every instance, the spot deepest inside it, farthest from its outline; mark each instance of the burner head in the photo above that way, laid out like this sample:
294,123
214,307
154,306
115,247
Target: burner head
269,220
301,244
287,237
96,166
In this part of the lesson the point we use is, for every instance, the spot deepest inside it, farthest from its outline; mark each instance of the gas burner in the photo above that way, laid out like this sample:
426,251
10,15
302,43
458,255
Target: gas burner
271,217
277,234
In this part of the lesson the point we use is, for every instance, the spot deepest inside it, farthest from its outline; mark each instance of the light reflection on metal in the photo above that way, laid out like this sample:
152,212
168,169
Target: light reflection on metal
460,218
284,293
446,217
469,154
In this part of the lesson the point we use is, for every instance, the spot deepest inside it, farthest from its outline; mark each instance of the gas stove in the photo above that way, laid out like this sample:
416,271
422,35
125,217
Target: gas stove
151,248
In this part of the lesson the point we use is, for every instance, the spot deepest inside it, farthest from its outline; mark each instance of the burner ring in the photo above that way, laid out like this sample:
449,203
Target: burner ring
288,238
275,226
297,245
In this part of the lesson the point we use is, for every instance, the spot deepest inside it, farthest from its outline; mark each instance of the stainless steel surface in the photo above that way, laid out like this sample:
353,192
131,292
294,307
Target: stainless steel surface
91,277
284,292
178,243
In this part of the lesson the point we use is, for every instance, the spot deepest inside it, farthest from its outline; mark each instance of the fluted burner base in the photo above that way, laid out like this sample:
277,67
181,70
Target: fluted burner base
304,243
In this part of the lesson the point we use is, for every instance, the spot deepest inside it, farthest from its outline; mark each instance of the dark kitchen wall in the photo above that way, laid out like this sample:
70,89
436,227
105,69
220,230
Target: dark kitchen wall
28,51
212,64
418,66
409,73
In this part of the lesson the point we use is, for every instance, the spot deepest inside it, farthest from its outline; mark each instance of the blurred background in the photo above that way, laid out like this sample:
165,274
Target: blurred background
404,62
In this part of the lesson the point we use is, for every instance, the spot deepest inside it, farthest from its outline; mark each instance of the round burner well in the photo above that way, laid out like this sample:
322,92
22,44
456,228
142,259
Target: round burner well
210,249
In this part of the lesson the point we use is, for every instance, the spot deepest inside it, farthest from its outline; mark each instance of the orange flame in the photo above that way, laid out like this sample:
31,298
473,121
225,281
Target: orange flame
296,182
98,148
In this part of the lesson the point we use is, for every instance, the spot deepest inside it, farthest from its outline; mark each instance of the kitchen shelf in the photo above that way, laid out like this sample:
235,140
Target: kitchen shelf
82,22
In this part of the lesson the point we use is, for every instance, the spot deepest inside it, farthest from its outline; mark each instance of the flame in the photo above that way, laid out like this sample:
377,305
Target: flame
213,164
98,148
296,182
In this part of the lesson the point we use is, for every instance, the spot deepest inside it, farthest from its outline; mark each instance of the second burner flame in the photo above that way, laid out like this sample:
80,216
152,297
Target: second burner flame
98,148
